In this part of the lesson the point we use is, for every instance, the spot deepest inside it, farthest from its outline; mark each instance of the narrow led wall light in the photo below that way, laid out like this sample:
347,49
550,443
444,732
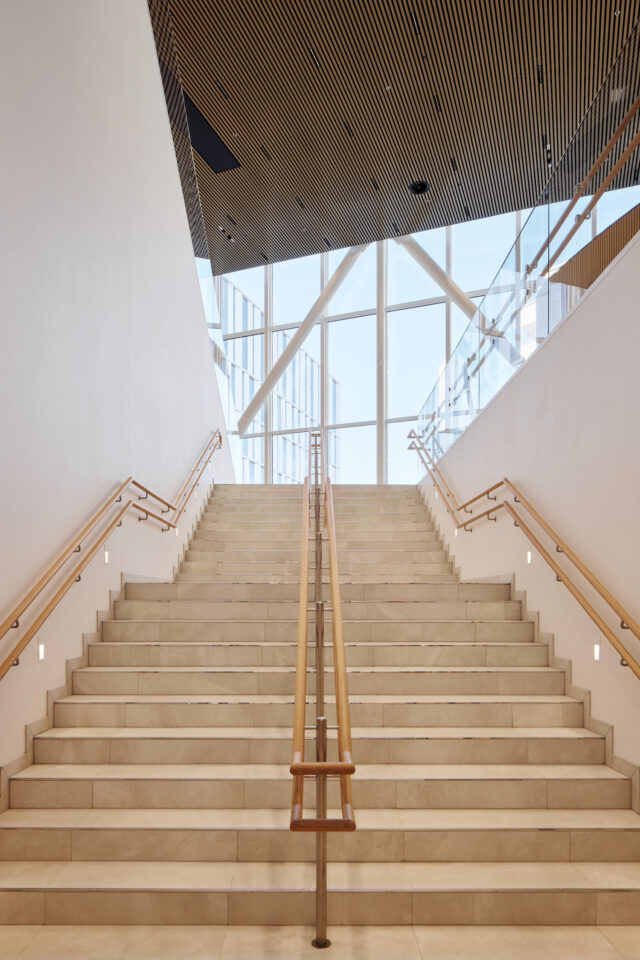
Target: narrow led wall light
596,651
528,556
41,651
106,555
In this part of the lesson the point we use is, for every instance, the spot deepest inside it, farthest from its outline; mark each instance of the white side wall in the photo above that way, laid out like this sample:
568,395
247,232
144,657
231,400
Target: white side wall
566,430
105,363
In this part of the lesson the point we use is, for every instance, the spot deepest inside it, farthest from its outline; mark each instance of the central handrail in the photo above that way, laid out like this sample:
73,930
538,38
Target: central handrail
317,489
627,622
76,545
344,766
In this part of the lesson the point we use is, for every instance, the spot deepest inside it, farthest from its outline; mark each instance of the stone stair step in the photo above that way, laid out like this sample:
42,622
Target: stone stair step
350,591
375,785
230,653
250,710
273,745
258,835
281,680
392,610
89,892
355,631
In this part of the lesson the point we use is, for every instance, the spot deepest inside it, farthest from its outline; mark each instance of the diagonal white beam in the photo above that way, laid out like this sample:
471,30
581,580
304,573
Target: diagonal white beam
440,276
459,297
332,286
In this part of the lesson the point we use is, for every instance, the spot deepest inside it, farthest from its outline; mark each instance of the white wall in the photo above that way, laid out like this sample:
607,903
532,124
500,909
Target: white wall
566,430
105,365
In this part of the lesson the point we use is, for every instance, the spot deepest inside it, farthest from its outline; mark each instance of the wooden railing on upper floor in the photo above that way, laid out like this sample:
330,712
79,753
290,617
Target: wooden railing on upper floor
77,545
510,494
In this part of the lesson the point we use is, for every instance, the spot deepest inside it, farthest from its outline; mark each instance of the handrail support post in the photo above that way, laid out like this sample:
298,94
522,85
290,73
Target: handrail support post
321,940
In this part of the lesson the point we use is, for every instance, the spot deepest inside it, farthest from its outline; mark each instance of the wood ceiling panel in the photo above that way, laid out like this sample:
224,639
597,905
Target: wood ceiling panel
333,108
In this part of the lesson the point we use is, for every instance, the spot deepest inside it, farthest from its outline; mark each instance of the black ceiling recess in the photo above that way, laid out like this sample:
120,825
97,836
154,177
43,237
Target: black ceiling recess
311,120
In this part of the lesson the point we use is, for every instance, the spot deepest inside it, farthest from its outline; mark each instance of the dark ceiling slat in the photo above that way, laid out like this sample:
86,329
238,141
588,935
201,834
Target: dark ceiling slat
307,84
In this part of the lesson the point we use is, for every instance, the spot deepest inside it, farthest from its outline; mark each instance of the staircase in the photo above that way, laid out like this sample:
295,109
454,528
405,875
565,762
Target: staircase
162,792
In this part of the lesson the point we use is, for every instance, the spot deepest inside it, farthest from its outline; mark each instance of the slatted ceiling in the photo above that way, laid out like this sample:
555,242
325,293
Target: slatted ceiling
292,78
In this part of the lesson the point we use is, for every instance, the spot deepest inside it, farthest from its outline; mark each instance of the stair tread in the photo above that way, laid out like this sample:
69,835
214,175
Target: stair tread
292,644
237,876
278,771
258,669
268,818
284,733
288,698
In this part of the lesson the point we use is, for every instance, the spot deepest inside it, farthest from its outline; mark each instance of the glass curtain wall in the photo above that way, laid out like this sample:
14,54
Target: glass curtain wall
363,372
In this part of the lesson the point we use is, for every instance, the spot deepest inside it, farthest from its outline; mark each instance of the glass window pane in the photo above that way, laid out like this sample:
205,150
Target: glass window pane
403,465
296,286
416,356
252,460
352,454
246,362
358,290
237,311
290,453
613,204
352,369
250,283
479,248
406,280
296,398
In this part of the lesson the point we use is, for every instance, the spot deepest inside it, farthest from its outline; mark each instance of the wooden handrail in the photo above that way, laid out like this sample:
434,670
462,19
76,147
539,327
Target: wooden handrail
300,700
339,659
75,546
608,180
627,659
627,622
13,620
580,189
12,659
417,445
344,766
624,615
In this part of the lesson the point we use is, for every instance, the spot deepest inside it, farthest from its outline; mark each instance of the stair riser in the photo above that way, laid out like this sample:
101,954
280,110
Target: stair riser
290,572
181,655
215,543
370,750
192,573
348,558
288,610
535,714
392,846
469,631
293,511
264,524
367,794
353,908
410,683
349,591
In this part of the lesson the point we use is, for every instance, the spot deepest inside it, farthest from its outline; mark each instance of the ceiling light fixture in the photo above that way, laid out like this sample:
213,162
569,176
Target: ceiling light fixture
419,187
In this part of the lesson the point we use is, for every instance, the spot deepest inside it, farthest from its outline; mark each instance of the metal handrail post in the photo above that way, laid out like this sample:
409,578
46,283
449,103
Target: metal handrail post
320,940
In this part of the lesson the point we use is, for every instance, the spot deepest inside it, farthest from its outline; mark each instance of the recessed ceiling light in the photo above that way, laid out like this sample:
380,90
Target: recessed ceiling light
418,187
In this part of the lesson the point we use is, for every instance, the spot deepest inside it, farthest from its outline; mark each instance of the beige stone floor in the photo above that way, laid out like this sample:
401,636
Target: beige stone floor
293,943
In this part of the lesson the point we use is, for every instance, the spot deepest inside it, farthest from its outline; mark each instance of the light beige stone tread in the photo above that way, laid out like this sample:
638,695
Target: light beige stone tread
292,644
229,876
278,819
286,698
257,669
390,623
284,733
368,771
